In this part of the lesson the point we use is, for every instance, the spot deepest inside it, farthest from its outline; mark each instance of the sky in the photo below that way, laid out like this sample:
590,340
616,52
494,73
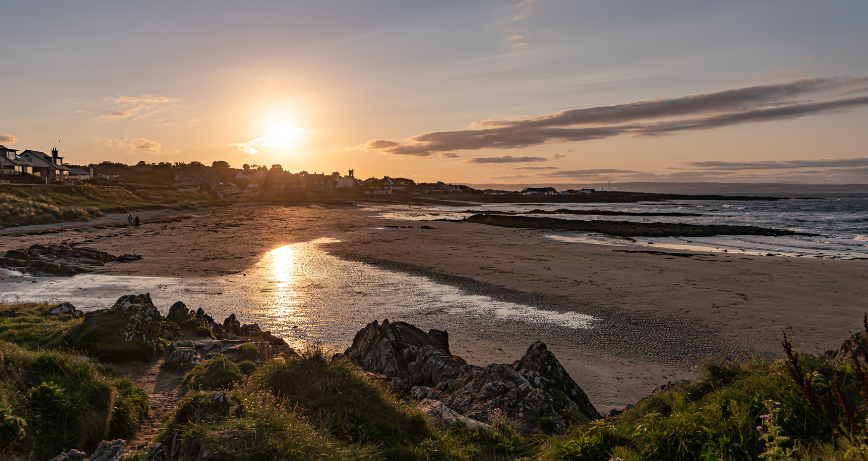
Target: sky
533,91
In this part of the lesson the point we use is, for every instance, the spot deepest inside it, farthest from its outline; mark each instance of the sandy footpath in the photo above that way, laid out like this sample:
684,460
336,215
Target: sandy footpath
660,311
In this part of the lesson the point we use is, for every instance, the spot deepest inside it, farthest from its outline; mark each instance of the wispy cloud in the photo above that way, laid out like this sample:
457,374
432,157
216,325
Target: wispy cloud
590,172
449,155
782,164
145,145
535,168
506,159
653,117
8,138
249,147
136,107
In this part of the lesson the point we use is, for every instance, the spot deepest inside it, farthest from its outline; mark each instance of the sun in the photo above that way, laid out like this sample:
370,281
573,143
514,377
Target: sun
282,135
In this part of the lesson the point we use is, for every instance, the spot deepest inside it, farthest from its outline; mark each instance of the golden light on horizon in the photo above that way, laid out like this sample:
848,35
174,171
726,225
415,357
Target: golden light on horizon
283,135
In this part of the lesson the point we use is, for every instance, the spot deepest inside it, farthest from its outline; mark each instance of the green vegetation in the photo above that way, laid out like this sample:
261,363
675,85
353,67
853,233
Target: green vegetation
22,205
31,325
100,336
217,373
247,351
53,401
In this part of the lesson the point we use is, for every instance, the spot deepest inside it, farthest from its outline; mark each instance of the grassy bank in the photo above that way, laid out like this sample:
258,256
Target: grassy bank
314,406
22,205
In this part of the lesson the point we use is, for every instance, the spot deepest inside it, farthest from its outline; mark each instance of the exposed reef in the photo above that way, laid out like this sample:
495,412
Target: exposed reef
625,228
62,260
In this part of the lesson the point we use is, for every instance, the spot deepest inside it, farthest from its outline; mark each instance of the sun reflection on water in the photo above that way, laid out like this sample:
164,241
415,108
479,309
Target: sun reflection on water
283,299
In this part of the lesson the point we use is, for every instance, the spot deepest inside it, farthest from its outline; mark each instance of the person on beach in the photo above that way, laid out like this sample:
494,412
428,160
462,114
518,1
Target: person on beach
137,222
130,220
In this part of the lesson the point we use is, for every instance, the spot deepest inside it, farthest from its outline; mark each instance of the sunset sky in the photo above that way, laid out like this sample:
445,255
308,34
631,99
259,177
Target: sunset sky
470,92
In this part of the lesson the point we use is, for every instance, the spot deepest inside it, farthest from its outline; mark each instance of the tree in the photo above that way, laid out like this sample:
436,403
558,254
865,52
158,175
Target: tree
220,165
276,167
246,167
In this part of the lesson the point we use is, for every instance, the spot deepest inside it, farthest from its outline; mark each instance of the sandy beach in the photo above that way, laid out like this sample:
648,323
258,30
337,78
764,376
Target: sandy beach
658,313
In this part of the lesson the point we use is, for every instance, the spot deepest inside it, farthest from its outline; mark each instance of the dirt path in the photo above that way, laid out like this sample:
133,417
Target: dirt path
163,386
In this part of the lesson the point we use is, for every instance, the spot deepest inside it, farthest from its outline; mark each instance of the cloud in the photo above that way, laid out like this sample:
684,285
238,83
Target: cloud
506,159
249,147
535,168
556,155
145,145
449,155
591,172
135,107
79,111
8,138
143,98
655,117
782,164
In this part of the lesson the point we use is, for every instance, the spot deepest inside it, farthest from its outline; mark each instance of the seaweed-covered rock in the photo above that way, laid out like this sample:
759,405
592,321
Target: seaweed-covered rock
179,313
62,260
65,308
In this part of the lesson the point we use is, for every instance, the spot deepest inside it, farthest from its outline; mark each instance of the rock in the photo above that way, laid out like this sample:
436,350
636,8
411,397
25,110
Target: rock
65,308
155,452
445,416
71,455
144,322
179,313
567,393
109,451
184,358
232,325
404,353
419,364
128,258
62,260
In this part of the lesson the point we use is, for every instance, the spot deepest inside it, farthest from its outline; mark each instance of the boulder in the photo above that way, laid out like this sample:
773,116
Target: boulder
155,452
179,313
404,353
184,358
144,321
109,451
445,416
232,325
71,455
65,308
567,393
418,363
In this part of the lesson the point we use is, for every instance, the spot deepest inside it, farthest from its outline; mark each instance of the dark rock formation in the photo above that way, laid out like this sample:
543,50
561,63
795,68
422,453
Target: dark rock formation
62,260
418,363
405,354
625,228
183,358
65,308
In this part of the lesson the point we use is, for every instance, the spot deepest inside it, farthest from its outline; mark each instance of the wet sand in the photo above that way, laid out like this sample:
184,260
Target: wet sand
658,313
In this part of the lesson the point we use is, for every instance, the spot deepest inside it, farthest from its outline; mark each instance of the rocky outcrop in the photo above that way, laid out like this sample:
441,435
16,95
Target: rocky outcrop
106,451
534,391
65,308
183,358
405,354
445,416
143,322
62,260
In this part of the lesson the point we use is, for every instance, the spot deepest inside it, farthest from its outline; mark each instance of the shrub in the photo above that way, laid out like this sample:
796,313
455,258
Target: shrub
56,401
246,367
100,335
247,351
217,373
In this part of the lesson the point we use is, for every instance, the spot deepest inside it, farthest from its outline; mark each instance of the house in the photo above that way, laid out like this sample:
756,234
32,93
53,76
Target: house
12,168
77,172
319,183
586,191
539,191
348,182
49,167
379,186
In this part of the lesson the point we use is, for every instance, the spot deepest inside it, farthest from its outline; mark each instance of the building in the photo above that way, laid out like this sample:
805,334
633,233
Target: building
539,191
12,168
49,167
77,172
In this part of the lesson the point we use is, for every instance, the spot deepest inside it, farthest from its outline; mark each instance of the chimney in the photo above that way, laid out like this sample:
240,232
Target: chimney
54,155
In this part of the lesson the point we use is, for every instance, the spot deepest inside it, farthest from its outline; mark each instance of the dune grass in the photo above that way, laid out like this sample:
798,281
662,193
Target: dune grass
22,205
30,325
52,401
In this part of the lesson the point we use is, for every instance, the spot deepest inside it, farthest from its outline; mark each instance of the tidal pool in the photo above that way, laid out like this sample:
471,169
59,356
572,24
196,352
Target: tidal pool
305,295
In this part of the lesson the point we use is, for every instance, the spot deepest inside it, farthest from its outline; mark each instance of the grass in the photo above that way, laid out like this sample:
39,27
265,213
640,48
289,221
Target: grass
31,325
22,205
52,401
100,336
217,373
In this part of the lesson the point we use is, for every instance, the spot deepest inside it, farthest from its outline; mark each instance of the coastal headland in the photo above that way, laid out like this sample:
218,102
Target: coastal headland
659,314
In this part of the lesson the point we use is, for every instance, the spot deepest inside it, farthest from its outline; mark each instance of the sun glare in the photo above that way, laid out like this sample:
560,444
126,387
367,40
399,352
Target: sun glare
284,135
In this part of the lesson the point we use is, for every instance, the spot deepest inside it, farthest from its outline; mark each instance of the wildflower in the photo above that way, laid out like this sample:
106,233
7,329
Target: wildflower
764,417
777,404
759,428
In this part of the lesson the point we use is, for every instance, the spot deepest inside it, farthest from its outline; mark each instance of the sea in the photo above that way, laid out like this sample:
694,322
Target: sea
831,226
